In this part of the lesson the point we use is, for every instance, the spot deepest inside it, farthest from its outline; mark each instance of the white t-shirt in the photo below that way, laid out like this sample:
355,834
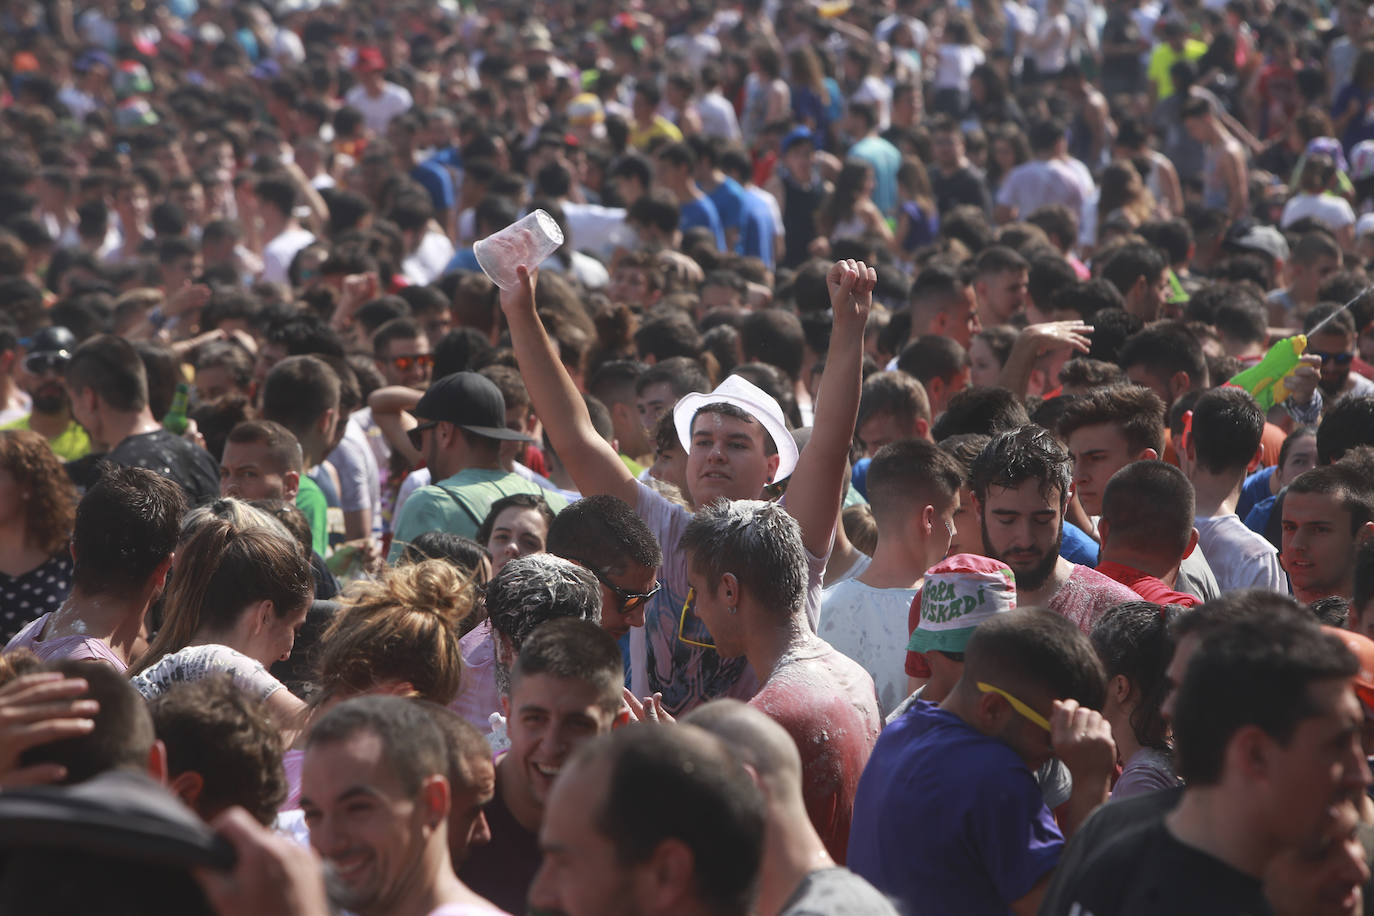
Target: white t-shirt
1040,182
1239,557
195,663
278,253
1056,31
427,262
870,626
1333,212
955,65
378,112
595,228
718,118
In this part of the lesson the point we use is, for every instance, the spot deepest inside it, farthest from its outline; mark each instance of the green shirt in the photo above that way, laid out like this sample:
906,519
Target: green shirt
1164,56
460,503
72,443
310,500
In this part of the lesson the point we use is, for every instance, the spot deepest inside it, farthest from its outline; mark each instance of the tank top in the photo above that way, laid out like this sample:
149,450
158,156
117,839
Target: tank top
799,213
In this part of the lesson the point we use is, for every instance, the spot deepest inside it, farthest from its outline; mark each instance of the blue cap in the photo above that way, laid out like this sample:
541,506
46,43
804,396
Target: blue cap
798,135
86,61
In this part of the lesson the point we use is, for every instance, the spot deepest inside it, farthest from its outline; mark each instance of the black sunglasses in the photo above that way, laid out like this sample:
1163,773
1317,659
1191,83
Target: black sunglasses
47,361
1340,359
414,435
629,600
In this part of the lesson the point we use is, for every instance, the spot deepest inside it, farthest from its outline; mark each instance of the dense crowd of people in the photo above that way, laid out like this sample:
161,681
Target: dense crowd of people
932,473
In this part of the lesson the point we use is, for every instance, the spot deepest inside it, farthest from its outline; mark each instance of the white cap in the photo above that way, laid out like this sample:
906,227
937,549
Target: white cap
1365,225
748,397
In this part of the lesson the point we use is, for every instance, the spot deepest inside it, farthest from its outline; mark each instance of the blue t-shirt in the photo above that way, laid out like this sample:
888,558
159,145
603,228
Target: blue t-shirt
757,231
885,159
1254,490
948,820
858,477
728,197
1257,519
436,179
463,259
701,212
1078,547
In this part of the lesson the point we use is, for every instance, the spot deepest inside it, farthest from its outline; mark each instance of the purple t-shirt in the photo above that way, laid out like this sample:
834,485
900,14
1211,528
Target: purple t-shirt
949,820
80,648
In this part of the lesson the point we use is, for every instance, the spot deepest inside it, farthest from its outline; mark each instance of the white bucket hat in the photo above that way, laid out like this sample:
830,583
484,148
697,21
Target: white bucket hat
748,397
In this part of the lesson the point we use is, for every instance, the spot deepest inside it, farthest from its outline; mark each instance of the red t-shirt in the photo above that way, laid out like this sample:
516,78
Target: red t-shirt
829,706
1147,587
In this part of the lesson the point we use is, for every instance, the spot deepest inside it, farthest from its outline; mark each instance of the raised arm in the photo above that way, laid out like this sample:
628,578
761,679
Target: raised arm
817,484
593,464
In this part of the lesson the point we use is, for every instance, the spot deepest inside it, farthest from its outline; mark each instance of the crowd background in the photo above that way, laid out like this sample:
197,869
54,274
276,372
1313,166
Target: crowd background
874,326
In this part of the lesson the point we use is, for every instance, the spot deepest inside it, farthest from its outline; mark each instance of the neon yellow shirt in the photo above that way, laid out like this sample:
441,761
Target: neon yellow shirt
1164,56
72,443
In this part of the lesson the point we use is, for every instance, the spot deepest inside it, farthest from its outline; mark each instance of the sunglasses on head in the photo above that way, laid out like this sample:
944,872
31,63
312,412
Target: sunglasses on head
405,361
48,361
1340,359
415,435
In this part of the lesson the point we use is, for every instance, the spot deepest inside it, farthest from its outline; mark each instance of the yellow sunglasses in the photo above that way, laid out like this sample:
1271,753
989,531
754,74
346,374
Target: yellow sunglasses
1016,704
682,622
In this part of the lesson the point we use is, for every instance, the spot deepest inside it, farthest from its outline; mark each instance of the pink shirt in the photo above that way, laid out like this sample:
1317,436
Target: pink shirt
78,648
477,696
1087,595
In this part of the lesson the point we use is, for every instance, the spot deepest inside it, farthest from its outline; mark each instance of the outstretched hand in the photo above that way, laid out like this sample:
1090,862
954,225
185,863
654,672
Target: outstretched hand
851,292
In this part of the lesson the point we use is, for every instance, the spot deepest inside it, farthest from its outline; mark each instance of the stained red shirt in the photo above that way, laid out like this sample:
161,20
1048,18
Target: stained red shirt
1146,586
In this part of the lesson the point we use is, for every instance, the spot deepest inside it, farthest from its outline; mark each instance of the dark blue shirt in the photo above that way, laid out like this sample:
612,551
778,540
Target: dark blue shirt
948,820
1254,491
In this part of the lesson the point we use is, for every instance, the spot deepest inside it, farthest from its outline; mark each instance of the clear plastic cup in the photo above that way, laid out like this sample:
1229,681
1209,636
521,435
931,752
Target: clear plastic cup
526,242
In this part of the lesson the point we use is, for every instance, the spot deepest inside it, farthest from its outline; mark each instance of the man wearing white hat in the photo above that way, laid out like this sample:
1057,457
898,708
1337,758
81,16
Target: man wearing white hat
737,443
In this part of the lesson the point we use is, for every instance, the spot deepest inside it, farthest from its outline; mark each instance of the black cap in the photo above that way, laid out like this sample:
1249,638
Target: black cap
469,401
51,340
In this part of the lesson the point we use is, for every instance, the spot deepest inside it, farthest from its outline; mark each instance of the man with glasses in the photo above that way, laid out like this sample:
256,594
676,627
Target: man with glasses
1028,691
1334,345
605,535
402,352
462,425
40,374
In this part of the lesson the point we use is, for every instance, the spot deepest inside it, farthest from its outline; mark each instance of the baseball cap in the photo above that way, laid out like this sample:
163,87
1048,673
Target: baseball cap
369,60
741,393
798,135
52,339
957,594
469,401
1362,161
1362,647
1262,239
1364,226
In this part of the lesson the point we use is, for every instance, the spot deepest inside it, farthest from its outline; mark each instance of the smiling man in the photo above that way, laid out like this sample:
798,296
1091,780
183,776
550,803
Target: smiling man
1327,513
565,689
1021,488
376,796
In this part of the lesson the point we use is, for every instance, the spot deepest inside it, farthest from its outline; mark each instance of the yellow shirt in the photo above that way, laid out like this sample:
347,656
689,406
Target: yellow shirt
641,137
1164,56
72,443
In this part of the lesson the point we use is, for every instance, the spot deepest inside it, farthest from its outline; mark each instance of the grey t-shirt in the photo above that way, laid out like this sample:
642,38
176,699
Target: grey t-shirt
836,892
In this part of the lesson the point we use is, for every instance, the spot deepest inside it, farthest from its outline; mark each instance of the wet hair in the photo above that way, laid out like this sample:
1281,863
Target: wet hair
49,504
1136,412
1029,453
757,542
212,728
1134,640
401,628
532,589
219,572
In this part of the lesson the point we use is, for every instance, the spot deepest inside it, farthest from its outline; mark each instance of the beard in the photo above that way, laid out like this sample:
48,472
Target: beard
1038,574
50,398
